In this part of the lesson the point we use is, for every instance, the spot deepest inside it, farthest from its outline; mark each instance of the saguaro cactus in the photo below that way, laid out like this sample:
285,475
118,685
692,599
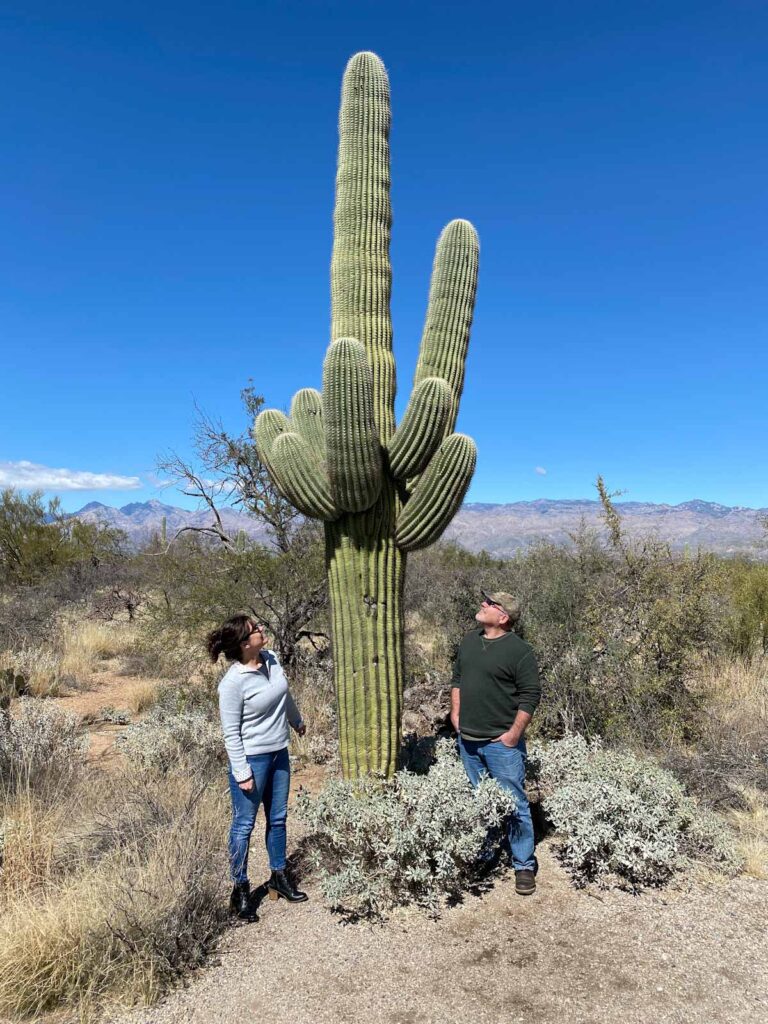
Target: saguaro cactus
382,491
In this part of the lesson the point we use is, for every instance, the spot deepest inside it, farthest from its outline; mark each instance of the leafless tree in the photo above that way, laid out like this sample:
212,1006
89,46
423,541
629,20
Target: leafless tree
232,474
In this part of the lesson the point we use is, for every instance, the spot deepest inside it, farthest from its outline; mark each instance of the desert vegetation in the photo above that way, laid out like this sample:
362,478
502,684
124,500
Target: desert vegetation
648,754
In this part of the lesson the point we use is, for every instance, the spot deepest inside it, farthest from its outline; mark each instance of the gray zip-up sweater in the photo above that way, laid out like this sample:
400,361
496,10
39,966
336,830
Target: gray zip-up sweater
255,712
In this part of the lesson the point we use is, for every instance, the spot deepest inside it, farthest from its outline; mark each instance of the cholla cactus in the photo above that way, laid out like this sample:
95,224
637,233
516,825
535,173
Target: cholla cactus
382,491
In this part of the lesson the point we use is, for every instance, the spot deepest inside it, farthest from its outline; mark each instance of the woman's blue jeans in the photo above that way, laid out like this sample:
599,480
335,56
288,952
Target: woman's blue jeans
271,782
507,766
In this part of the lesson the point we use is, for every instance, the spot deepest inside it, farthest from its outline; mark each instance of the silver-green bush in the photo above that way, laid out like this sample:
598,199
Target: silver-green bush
166,741
40,748
412,839
622,819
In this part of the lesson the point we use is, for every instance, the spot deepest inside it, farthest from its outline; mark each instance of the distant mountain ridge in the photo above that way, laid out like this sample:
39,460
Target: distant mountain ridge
501,529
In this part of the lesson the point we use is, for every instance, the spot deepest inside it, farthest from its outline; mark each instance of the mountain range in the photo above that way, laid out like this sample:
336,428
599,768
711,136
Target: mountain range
500,529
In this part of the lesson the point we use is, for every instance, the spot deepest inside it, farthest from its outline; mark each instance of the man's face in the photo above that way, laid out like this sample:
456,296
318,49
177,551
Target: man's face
490,614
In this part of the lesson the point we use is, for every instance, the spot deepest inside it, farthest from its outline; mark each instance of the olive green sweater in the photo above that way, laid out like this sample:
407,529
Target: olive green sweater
497,678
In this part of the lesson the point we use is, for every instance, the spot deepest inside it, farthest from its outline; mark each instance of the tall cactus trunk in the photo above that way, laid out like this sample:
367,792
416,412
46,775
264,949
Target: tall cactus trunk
366,573
382,490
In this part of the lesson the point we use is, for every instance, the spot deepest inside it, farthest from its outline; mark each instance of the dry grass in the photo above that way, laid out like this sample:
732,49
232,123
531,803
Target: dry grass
737,690
729,749
104,900
77,651
86,644
39,668
751,824
143,697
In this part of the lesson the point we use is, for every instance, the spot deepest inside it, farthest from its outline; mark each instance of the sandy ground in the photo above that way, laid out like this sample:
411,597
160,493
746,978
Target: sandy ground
105,689
682,956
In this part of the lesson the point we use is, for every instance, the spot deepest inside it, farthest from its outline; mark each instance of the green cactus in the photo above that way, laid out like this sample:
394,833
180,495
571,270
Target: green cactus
381,491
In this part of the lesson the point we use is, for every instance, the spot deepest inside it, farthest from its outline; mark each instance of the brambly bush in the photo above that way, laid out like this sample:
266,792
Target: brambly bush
414,839
622,819
41,748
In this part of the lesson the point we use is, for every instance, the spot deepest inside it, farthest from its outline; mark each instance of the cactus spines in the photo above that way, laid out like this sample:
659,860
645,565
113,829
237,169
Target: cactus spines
307,418
301,477
382,492
422,428
440,490
353,449
269,425
452,293
361,275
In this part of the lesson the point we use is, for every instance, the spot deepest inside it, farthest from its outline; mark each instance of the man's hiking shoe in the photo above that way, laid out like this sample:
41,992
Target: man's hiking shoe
525,883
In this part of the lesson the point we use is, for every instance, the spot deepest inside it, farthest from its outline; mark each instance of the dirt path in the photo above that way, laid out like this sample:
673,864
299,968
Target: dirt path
559,956
107,688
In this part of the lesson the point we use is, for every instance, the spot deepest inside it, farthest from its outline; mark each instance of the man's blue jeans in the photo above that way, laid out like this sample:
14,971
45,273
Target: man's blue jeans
507,766
271,782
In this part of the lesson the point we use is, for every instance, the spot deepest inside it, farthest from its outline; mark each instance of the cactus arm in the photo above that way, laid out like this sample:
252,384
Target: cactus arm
451,307
361,275
422,429
269,425
352,446
302,479
307,419
438,494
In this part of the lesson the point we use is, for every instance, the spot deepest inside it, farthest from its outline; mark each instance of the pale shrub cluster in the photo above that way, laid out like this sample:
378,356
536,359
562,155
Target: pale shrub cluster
40,747
623,819
413,839
167,740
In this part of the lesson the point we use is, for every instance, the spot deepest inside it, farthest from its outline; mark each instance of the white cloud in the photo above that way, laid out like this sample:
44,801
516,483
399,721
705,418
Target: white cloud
540,471
30,476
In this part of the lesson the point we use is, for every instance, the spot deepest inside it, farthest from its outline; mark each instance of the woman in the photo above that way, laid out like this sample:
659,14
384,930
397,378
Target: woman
255,708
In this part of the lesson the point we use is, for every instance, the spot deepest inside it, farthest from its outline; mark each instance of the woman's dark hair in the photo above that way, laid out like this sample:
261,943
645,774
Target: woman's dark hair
228,637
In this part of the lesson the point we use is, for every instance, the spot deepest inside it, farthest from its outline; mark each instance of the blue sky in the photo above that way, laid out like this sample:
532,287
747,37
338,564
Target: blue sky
167,171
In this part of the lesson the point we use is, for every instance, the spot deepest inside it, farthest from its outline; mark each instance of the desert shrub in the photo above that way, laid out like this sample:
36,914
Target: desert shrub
730,752
167,741
196,586
41,748
413,839
623,819
747,618
132,899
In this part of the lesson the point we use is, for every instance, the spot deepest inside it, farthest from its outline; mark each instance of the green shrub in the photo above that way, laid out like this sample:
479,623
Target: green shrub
623,819
412,839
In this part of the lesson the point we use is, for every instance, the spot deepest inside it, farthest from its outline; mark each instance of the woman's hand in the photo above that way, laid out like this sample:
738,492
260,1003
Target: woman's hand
247,786
301,729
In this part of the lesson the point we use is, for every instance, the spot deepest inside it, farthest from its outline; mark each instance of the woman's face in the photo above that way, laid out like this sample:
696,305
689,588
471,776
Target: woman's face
253,643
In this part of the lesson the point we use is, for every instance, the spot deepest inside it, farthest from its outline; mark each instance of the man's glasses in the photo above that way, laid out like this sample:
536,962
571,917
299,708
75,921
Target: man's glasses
490,603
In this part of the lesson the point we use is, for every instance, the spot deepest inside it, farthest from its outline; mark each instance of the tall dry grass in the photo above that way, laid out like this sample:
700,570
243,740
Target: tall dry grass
727,765
106,893
87,644
78,649
750,822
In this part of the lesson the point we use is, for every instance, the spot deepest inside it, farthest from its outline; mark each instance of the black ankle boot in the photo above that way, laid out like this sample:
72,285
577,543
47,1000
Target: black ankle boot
280,885
240,902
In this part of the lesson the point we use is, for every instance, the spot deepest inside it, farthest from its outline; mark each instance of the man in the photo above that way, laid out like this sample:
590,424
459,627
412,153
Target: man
494,694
